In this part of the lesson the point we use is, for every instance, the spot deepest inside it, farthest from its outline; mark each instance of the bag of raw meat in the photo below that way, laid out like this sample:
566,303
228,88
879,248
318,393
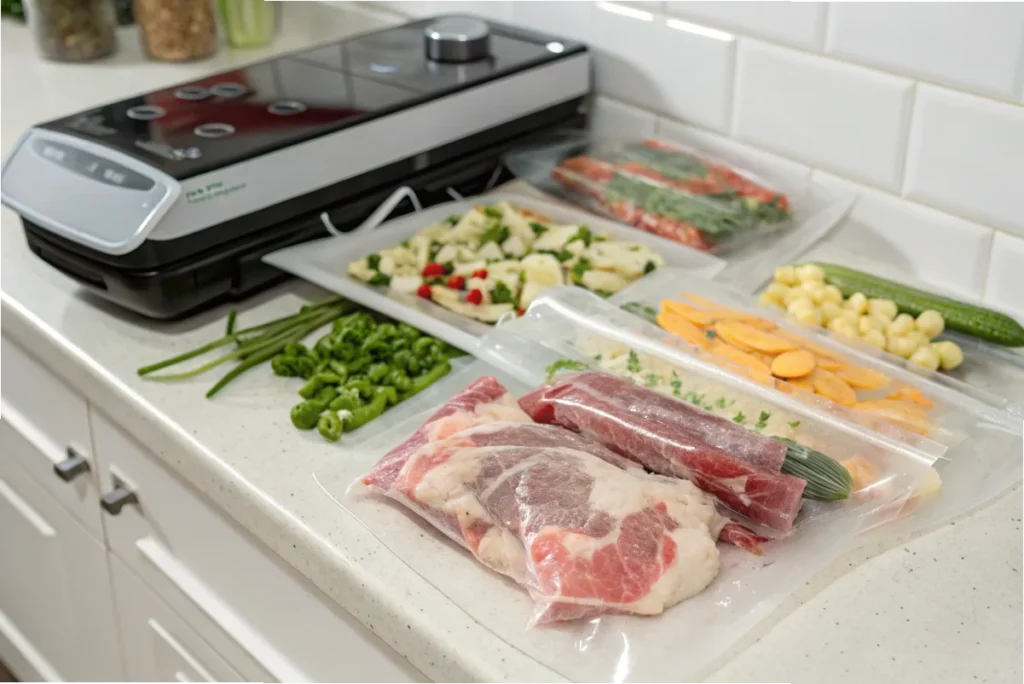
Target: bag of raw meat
707,199
739,467
583,529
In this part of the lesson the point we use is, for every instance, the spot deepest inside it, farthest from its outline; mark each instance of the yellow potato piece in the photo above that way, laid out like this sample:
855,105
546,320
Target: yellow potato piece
793,364
741,334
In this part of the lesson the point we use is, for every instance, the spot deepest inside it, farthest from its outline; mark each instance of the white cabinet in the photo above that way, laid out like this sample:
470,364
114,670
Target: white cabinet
268,622
53,419
56,609
159,587
158,645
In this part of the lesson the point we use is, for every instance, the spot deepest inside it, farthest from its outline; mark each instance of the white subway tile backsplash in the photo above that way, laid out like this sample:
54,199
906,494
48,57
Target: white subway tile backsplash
499,10
568,19
825,113
966,155
929,245
649,5
1005,286
977,46
410,8
617,120
765,164
801,24
667,66
876,93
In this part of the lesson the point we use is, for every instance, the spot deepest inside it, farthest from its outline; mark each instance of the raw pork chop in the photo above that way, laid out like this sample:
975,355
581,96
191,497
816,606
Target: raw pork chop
615,413
483,400
584,536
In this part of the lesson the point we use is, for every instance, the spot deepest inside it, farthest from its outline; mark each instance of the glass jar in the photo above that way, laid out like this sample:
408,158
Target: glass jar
72,30
248,23
123,12
177,30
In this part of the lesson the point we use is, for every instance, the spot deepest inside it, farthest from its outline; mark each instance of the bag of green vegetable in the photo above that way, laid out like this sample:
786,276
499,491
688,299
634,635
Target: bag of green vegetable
568,323
712,200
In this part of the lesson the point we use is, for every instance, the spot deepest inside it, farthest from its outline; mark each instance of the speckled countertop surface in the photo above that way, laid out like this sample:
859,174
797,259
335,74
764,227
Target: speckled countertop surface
944,607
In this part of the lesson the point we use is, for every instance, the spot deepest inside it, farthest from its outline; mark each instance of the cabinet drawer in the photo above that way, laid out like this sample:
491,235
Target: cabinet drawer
158,645
207,567
56,610
52,421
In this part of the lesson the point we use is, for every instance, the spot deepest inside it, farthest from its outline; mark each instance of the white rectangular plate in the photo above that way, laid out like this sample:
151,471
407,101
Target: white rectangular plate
325,262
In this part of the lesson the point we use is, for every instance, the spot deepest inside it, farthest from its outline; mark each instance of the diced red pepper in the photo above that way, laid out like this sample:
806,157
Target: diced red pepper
475,296
456,282
423,291
520,311
433,269
480,273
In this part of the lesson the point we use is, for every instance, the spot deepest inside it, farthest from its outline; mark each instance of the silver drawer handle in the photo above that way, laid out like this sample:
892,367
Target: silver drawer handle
117,498
72,466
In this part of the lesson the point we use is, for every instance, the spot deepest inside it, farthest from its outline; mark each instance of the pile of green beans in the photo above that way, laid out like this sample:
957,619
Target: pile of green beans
360,369
354,373
254,345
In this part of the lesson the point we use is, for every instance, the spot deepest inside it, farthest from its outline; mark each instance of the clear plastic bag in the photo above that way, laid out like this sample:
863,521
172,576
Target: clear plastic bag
682,642
683,194
987,368
608,646
949,405
982,429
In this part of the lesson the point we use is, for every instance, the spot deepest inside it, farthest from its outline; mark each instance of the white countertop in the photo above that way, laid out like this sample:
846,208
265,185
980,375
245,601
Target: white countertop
945,607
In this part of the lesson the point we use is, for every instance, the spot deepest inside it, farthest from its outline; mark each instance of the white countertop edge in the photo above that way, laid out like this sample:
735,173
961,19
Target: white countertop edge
440,653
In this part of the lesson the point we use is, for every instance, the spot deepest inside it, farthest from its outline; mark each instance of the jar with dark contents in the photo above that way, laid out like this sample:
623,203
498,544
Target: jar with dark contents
177,30
72,30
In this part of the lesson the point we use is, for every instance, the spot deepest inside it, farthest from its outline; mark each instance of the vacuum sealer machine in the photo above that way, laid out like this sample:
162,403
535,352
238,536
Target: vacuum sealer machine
166,202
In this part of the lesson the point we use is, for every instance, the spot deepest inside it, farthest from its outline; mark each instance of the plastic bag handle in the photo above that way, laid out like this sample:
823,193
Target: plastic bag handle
379,215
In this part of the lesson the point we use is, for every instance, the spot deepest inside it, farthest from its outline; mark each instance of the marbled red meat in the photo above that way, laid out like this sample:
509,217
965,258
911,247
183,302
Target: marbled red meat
555,512
458,412
671,438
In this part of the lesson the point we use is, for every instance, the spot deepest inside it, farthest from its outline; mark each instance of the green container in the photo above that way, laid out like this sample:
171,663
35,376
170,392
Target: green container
248,23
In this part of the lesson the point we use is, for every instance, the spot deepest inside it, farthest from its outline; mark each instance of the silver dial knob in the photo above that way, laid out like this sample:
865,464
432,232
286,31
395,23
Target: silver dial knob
457,39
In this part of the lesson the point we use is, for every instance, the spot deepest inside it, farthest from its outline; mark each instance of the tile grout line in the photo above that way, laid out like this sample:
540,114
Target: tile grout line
908,128
838,59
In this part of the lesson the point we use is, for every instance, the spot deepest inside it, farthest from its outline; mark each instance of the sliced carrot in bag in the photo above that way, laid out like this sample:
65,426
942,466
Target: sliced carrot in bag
793,364
863,378
818,350
831,386
899,412
827,363
759,371
682,328
741,334
695,316
718,312
913,394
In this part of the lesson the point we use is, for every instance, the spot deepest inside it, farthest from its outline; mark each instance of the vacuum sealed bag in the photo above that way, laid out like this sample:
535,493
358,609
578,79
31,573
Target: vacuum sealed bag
643,534
980,364
682,193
